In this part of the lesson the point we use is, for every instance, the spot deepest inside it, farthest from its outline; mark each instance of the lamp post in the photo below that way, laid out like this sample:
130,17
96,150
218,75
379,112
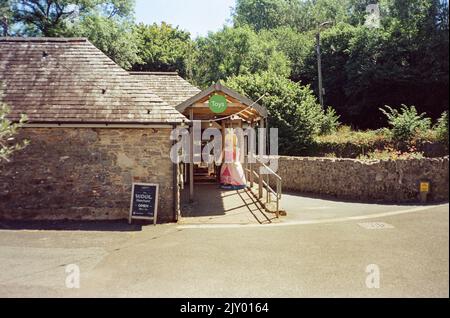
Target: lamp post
319,60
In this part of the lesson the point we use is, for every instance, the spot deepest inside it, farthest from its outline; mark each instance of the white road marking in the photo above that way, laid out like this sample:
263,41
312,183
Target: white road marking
306,222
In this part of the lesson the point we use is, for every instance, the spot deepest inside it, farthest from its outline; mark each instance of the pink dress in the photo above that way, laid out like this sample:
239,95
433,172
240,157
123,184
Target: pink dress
232,174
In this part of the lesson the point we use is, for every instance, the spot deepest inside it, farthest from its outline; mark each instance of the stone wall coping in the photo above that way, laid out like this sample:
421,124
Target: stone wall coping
363,161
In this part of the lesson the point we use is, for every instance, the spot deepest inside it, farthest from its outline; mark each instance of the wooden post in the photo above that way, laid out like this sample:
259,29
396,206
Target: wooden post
261,176
261,126
251,164
191,157
223,140
245,150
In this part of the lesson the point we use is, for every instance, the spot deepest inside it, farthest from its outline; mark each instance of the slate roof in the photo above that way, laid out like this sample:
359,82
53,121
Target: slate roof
171,87
68,80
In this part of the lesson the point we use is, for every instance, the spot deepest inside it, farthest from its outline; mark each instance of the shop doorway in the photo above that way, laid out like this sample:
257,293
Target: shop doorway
201,192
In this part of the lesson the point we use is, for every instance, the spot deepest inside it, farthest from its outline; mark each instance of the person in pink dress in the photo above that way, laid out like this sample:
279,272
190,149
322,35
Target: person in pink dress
232,174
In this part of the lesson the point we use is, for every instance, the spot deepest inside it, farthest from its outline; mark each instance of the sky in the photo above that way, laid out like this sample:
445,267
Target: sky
196,16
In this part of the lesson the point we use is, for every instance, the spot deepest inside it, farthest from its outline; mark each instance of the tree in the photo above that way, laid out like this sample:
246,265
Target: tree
112,36
335,11
296,46
293,109
162,48
8,131
236,51
5,17
53,17
298,15
338,68
106,23
261,14
403,62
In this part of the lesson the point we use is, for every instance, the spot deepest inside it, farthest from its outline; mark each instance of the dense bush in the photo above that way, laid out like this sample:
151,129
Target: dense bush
406,122
441,128
380,144
329,121
391,154
348,143
293,109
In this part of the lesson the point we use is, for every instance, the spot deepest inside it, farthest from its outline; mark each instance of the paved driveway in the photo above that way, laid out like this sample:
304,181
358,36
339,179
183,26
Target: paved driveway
326,258
214,207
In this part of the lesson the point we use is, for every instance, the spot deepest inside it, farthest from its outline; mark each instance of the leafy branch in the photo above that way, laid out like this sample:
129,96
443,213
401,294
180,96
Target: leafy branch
8,131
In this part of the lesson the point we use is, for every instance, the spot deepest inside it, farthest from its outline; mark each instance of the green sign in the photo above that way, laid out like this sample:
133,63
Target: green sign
217,104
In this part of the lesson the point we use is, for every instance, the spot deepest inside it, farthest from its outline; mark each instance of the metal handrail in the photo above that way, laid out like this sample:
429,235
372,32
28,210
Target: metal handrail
272,173
265,183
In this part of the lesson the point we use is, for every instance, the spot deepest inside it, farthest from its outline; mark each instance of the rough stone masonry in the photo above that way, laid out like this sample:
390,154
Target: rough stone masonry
395,181
85,173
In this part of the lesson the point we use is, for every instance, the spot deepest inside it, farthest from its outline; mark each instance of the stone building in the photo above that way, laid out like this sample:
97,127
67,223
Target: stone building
94,129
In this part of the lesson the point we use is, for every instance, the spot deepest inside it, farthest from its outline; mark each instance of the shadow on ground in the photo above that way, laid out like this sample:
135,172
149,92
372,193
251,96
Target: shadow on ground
214,205
333,198
97,226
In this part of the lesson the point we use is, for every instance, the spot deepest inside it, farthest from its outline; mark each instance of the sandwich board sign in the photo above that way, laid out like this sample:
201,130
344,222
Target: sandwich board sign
144,202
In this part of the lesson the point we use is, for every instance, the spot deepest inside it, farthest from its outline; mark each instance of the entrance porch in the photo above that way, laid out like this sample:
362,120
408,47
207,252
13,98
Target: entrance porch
202,198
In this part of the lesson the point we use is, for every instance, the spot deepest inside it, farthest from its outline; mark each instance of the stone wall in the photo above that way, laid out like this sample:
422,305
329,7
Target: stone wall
83,173
367,181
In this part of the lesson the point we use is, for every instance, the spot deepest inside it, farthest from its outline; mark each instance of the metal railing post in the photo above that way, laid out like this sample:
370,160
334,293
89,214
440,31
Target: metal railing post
260,182
278,197
264,182
251,175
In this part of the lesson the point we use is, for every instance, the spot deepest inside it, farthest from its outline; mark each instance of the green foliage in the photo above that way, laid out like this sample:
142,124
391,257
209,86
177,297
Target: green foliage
5,17
236,51
337,70
377,144
261,14
112,36
391,154
292,107
329,122
298,15
8,131
406,122
163,48
54,17
441,128
116,8
106,23
348,143
297,47
405,60
346,133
